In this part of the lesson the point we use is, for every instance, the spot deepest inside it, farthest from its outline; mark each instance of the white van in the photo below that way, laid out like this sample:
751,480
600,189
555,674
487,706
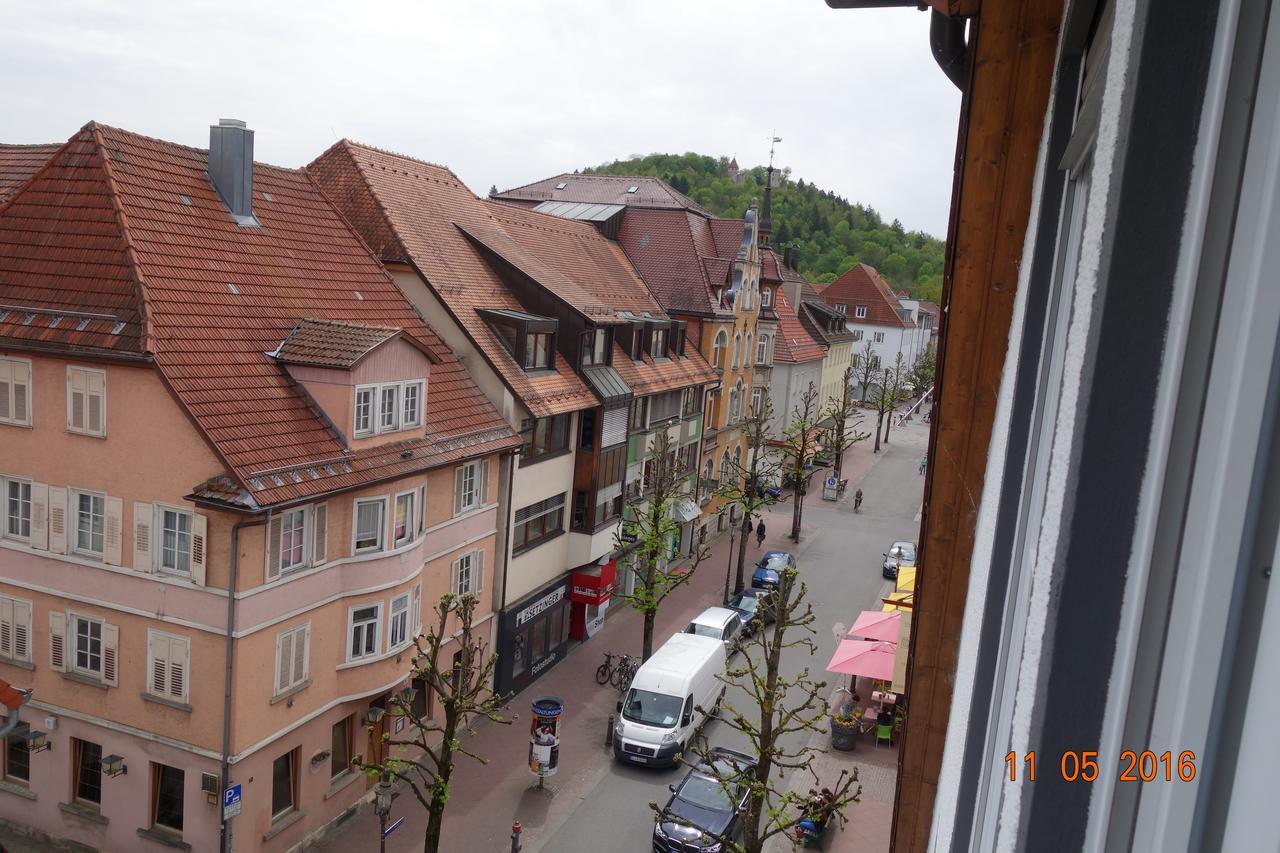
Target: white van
658,717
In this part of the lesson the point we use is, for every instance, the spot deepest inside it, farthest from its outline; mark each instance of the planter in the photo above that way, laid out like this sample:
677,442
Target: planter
844,737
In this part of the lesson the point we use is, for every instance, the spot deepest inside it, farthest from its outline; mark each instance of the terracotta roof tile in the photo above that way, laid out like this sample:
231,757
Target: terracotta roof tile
19,162
330,343
862,285
793,344
604,189
668,248
129,226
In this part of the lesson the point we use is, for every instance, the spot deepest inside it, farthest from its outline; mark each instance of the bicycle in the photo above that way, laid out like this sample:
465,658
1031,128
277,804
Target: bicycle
604,672
620,673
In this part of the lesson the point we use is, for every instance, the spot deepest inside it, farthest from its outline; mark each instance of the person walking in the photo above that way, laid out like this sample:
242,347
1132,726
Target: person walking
924,462
760,533
857,501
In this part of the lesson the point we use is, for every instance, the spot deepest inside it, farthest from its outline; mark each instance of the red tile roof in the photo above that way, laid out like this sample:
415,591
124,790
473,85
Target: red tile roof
131,227
676,253
793,344
19,162
331,343
862,285
424,212
604,189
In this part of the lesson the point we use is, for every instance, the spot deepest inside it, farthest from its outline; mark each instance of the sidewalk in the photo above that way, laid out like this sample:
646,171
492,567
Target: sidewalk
486,799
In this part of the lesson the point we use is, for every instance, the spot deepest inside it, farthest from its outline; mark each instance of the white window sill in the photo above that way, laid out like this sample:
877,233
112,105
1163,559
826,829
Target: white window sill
291,692
282,823
167,701
368,659
21,664
17,790
87,680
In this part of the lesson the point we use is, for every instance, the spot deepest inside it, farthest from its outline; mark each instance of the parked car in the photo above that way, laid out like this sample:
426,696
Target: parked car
901,554
720,623
769,567
705,811
748,604
660,714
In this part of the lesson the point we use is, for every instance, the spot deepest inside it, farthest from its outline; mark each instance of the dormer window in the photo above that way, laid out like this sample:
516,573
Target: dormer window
766,297
530,339
842,309
658,343
388,407
595,347
860,312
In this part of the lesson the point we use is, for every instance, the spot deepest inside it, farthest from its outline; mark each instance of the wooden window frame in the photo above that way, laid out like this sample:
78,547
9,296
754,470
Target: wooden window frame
11,395
77,767
544,508
157,771
292,757
296,680
348,727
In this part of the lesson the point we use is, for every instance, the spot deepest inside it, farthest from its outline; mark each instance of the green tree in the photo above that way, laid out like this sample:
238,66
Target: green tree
745,488
926,365
460,687
647,532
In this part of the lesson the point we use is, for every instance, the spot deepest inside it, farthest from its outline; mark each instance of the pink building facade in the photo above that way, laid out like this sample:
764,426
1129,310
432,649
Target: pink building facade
236,470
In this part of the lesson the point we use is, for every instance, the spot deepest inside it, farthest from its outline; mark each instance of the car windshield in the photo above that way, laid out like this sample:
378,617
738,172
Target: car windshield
774,562
705,793
704,630
746,602
904,551
652,709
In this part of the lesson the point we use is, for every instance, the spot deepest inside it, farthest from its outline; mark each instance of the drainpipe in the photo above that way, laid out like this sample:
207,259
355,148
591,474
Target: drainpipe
11,721
501,622
226,699
946,40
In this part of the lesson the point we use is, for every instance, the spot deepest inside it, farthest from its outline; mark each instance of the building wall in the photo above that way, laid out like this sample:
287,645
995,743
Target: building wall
834,364
531,483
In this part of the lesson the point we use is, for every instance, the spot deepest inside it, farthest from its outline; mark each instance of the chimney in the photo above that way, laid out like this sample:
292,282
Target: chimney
766,218
231,167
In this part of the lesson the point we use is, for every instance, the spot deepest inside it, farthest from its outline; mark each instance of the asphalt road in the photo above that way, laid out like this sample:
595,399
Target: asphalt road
840,563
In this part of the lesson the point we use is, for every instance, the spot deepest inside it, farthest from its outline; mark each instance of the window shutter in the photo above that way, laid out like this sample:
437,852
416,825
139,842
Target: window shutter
7,371
57,641
40,516
614,430
284,654
76,403
6,620
484,482
113,531
422,509
453,582
300,642
457,489
142,520
110,649
159,648
199,549
58,519
477,572
179,666
273,549
21,384
417,610
319,530
97,397
22,631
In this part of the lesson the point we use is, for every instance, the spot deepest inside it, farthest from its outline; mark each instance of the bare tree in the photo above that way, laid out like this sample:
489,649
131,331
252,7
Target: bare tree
748,487
845,419
897,381
799,442
646,534
865,368
779,708
461,688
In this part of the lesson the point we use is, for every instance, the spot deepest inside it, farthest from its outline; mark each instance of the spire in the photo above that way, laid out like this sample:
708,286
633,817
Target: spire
766,213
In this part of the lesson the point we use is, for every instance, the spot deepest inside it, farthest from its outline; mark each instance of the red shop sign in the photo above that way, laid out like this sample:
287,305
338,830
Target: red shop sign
593,585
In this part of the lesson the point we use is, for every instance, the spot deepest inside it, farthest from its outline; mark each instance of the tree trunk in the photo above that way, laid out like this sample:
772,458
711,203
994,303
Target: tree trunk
839,452
435,818
888,423
742,553
879,423
647,645
798,505
444,770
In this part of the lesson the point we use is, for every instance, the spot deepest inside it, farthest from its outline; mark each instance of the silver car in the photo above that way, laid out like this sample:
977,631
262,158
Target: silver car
721,623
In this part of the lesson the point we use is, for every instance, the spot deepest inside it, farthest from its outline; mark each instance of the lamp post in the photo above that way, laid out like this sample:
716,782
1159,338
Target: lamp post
382,797
728,569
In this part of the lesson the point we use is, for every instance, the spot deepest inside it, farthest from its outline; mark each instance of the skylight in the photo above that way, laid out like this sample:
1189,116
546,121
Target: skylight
561,185
632,189
233,288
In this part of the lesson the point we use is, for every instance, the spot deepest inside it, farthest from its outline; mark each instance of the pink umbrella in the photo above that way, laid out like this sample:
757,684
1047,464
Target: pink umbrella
869,658
876,625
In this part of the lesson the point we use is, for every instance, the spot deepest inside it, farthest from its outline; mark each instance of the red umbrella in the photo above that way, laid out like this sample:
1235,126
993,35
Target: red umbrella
869,658
876,625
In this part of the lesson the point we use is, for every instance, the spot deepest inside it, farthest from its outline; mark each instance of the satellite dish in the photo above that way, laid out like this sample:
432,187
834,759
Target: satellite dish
839,630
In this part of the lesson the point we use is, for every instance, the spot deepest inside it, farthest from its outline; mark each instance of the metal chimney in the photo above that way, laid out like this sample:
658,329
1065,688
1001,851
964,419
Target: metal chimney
231,167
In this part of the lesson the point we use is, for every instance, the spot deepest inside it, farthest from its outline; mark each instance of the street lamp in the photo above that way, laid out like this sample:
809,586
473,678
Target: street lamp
728,569
382,797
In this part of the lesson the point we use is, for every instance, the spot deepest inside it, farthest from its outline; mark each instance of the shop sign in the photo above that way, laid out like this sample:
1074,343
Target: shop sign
597,623
547,601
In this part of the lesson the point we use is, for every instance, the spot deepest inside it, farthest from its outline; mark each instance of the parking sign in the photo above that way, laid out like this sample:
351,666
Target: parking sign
231,802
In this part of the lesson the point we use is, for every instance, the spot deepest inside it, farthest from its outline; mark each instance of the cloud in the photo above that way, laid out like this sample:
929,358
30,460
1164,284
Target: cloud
507,91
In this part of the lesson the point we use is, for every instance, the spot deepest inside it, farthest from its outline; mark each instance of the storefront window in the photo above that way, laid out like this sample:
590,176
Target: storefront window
538,638
557,625
518,655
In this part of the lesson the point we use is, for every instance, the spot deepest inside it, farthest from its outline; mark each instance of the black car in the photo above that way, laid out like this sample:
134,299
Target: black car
901,554
749,603
700,810
766,575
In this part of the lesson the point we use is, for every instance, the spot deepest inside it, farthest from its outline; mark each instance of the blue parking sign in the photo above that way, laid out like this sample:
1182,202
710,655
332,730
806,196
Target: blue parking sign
231,802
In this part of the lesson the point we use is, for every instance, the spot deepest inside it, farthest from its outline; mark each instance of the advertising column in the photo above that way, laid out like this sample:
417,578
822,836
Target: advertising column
544,736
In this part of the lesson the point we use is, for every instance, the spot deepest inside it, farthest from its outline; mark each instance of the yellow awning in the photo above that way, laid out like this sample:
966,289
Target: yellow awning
906,579
898,596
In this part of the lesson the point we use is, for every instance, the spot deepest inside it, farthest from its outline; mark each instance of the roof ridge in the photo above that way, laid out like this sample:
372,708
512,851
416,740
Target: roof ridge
57,154
540,181
122,222
351,143
562,225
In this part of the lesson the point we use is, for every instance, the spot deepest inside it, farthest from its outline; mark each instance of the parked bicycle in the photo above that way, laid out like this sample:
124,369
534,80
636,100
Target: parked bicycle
604,672
624,672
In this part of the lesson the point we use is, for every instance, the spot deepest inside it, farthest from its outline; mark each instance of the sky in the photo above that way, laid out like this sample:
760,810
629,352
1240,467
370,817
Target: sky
506,91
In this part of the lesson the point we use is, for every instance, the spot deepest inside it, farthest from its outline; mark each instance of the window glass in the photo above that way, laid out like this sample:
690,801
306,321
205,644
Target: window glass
282,785
364,632
412,404
88,646
88,757
387,414
538,521
468,486
539,636
403,522
292,530
369,525
169,782
175,546
364,410
17,509
399,620
537,351
17,760
466,566
340,747
89,523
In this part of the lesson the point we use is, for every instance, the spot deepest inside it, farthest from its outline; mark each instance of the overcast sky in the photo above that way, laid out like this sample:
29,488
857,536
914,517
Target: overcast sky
506,91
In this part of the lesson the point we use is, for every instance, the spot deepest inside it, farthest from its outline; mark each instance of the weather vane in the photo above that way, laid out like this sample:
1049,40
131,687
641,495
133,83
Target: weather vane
773,140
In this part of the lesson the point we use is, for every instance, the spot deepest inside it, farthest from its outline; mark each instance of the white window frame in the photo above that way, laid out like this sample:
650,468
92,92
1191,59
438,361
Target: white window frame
416,609
73,642
305,534
878,338
859,312
73,531
158,526
380,425
398,615
410,521
374,628
296,680
766,297
476,469
5,484
355,524
420,388
185,666
10,608
12,366
857,335
474,564
369,413
88,372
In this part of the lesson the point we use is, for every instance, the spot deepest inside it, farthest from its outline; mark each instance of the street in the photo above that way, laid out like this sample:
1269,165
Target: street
597,803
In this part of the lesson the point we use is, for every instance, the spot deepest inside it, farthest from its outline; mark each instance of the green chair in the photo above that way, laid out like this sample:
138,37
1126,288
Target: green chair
884,733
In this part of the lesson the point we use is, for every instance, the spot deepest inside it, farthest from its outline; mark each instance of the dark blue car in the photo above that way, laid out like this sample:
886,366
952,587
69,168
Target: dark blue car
701,812
769,568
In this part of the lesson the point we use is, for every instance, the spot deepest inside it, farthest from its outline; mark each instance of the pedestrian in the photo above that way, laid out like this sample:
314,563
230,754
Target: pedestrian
857,500
760,533
924,461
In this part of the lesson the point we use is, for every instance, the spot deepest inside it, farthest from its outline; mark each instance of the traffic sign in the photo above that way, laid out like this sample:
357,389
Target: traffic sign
392,828
231,802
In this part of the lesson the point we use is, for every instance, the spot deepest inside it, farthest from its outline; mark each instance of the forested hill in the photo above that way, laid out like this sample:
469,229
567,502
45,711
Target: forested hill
832,233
